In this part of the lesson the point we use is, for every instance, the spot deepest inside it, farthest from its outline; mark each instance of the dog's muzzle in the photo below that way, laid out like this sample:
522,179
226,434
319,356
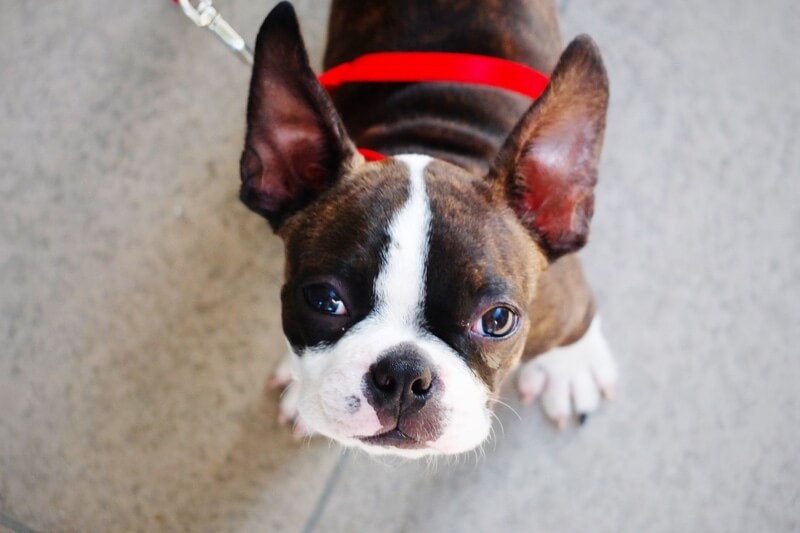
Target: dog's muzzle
403,388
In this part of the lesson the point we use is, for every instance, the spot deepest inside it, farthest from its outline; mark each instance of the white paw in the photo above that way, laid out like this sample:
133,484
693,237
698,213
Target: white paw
283,373
284,378
571,378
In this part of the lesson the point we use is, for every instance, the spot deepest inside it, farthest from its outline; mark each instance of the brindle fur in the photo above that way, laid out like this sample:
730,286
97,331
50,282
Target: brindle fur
463,124
300,171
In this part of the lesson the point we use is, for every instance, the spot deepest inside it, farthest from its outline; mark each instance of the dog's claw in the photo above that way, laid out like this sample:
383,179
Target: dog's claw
300,432
527,399
582,418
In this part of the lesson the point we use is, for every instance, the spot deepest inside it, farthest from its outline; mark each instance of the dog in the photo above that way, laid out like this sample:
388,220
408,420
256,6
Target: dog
415,284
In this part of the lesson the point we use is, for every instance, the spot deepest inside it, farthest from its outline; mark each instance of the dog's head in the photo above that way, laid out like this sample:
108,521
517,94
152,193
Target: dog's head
408,281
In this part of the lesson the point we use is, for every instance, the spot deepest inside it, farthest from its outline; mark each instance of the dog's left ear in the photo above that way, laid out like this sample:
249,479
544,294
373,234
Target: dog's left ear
296,146
547,168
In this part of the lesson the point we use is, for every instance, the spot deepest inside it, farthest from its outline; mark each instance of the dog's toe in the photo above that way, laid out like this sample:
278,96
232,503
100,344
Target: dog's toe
555,399
283,378
571,379
530,382
585,392
282,375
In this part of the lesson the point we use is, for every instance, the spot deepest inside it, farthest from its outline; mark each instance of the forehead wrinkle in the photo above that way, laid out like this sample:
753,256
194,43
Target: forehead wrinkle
484,232
469,234
349,220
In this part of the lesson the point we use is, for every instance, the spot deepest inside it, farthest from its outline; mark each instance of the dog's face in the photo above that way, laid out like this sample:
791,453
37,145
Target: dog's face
404,307
408,281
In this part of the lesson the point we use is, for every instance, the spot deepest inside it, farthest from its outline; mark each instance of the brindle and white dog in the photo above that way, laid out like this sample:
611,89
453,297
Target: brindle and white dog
415,284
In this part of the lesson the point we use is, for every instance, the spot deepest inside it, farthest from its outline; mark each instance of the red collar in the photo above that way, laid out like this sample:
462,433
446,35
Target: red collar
435,66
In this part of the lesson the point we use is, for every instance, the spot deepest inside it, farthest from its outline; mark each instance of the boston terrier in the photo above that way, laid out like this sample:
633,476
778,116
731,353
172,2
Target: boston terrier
414,284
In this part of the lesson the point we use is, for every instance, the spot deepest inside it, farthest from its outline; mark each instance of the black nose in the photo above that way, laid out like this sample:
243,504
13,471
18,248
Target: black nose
401,380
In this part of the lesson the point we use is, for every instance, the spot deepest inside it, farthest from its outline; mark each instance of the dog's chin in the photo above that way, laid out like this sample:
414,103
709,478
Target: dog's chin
396,443
394,438
408,438
390,444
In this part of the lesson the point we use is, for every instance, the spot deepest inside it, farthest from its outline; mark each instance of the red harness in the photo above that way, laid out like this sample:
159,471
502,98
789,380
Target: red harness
436,67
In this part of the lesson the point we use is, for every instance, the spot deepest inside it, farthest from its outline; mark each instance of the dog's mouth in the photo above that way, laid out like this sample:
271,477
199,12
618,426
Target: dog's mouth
394,438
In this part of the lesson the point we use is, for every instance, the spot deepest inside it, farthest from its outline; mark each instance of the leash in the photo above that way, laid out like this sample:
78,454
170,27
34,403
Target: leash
392,67
205,15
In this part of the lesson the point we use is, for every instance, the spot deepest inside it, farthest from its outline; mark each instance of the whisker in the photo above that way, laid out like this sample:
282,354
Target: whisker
507,406
500,422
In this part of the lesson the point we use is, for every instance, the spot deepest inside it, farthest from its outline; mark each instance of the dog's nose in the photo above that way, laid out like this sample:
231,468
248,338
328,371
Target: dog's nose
402,380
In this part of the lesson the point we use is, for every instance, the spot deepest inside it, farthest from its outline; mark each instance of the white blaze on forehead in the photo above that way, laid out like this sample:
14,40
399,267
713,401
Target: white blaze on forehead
400,286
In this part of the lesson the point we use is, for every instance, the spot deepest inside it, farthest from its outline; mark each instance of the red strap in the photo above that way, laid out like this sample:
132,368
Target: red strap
435,66
371,155
438,66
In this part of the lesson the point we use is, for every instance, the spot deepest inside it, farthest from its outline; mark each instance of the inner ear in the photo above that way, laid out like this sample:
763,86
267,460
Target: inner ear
547,168
296,146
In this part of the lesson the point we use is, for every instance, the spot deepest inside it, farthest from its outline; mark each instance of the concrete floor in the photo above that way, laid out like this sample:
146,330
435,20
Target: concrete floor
139,315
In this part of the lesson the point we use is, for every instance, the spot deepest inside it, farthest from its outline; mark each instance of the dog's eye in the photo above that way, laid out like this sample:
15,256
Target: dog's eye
325,299
497,322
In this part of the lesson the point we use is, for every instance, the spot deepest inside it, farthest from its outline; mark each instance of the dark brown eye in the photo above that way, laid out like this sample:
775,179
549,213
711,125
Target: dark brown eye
497,322
324,299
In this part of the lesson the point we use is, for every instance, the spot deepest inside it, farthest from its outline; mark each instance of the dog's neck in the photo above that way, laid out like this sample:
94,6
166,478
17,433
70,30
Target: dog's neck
462,124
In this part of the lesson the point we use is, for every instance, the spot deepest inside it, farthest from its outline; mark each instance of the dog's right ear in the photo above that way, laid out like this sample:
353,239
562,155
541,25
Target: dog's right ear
296,144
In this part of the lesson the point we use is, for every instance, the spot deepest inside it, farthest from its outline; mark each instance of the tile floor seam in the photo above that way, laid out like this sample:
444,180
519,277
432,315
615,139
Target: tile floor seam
327,489
14,525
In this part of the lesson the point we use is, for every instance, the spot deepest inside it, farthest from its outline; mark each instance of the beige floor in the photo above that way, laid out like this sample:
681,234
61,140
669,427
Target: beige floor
139,314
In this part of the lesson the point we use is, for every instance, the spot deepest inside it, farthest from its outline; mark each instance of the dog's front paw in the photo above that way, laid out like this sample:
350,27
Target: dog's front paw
571,377
283,378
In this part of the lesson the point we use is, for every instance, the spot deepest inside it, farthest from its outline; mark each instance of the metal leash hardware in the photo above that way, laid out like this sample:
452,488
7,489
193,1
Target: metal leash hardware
205,15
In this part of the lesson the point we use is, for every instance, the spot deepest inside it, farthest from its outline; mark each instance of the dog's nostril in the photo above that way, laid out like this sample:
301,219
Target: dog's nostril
385,382
421,385
383,378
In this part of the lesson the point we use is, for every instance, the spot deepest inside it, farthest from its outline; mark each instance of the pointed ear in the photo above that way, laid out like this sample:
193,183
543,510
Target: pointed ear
296,145
547,168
